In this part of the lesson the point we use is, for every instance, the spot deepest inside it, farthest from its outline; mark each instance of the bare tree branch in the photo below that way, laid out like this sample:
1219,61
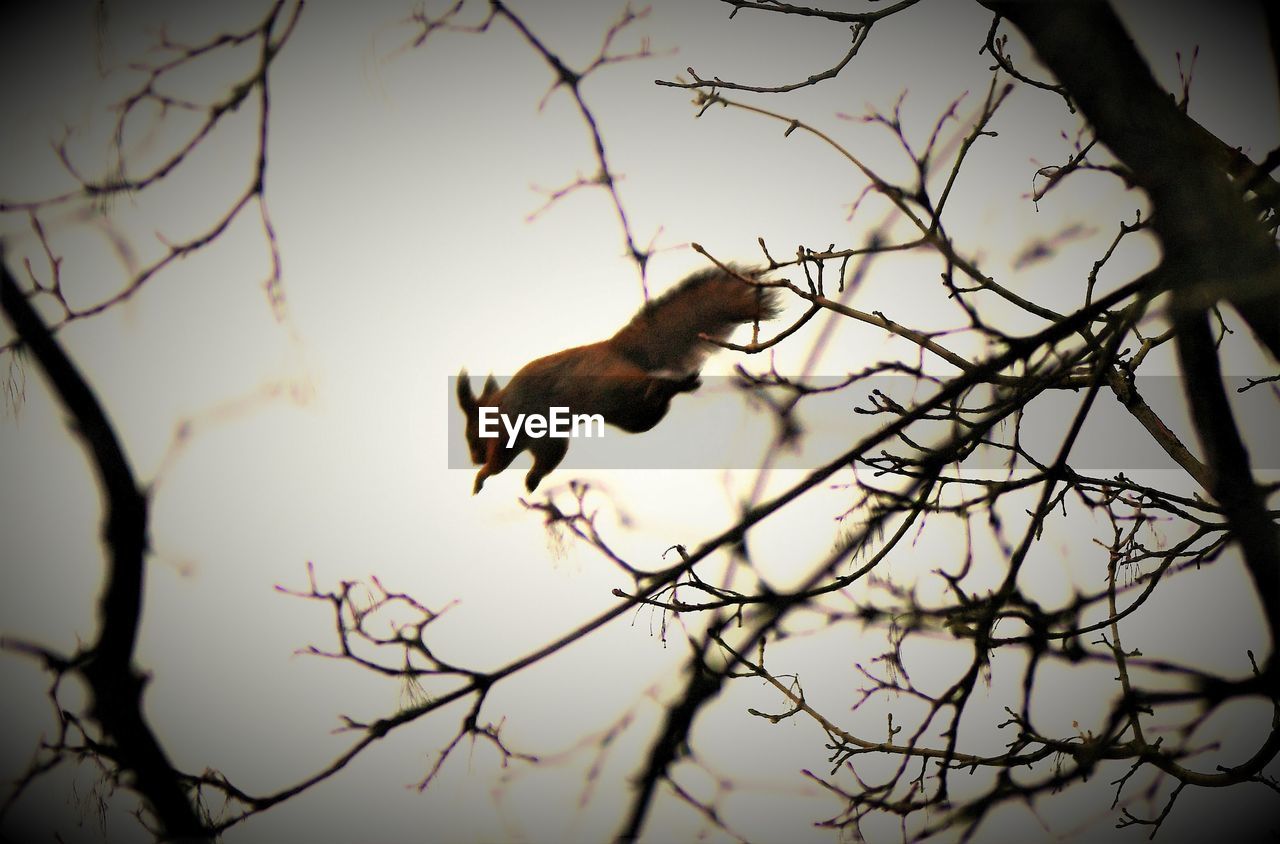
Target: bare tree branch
107,666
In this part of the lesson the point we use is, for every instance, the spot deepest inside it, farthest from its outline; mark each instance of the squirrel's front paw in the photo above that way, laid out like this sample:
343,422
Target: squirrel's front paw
690,383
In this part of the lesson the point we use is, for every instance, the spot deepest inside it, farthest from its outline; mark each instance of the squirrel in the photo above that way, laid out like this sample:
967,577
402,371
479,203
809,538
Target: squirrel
629,379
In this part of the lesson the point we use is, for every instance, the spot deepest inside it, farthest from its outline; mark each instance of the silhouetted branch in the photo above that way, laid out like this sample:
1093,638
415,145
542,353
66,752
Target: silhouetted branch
107,665
270,36
571,79
1213,244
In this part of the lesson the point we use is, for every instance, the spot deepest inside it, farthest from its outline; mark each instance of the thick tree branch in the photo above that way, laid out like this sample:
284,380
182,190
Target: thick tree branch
1205,228
1214,247
1242,500
107,666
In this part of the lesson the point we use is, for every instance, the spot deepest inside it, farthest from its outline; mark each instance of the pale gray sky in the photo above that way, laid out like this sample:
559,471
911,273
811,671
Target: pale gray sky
399,184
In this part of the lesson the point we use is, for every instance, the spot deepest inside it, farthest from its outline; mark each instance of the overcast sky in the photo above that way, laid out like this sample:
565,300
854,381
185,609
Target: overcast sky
400,185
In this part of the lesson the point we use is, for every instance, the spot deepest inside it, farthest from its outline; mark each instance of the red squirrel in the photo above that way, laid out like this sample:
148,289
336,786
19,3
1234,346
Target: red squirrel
629,379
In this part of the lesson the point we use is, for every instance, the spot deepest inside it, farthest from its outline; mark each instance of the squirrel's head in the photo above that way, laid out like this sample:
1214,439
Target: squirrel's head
471,409
483,451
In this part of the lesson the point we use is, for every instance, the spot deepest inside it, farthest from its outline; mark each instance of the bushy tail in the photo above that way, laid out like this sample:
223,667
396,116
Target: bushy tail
663,336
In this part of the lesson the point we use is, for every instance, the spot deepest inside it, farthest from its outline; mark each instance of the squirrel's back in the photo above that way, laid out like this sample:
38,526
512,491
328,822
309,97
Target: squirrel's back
664,335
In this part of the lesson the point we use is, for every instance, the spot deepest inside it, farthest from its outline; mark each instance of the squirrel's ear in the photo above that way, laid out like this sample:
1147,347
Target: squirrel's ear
490,388
466,398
